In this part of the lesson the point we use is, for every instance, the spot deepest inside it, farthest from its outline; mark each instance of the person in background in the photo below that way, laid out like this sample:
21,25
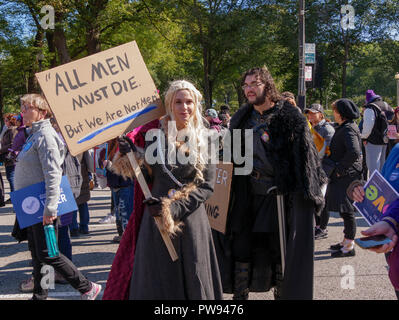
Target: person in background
225,120
375,141
224,109
6,143
325,130
82,228
3,130
40,160
224,115
290,97
393,140
388,224
212,117
122,192
343,166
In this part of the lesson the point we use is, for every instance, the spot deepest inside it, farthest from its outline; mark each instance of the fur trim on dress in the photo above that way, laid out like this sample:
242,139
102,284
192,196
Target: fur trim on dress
121,166
169,224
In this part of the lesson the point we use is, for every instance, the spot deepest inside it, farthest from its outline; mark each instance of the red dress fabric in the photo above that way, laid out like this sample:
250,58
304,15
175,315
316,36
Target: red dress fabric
118,282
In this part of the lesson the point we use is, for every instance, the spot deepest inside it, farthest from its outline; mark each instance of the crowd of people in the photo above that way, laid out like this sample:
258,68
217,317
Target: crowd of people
304,167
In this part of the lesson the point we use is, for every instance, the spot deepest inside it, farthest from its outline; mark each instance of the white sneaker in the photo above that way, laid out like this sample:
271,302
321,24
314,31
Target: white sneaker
110,218
92,293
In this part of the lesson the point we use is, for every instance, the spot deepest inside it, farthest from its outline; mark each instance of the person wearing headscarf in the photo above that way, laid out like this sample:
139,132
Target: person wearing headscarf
343,166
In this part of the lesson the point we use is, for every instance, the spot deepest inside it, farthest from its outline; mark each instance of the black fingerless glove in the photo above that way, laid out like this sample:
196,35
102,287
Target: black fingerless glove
126,145
154,206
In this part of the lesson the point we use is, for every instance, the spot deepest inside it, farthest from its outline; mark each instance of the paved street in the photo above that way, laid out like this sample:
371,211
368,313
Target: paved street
364,276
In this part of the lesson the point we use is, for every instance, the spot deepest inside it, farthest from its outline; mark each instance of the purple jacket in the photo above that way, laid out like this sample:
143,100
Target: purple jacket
393,259
19,140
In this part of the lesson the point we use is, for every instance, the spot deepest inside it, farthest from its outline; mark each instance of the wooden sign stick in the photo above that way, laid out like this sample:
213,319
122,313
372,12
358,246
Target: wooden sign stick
147,195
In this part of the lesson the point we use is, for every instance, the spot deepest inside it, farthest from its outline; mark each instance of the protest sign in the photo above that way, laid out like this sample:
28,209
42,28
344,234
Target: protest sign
379,194
29,202
99,97
217,206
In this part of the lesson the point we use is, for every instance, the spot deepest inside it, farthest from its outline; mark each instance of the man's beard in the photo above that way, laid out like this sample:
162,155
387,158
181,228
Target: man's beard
260,99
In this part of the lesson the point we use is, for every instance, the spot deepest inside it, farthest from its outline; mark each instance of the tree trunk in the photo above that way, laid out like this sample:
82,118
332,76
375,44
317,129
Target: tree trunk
207,81
51,47
60,41
93,29
345,63
240,93
93,40
1,102
33,85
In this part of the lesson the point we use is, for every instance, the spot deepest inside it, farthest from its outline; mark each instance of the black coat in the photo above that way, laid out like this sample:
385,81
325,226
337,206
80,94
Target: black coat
299,176
346,163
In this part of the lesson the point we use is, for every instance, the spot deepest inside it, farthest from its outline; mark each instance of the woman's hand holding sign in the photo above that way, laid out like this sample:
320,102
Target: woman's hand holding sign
48,220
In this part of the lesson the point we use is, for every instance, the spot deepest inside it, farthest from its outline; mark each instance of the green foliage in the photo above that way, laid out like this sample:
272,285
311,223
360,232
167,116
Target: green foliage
210,43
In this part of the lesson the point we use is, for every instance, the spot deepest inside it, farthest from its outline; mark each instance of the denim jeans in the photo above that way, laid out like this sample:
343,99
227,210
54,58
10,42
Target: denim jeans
10,176
123,204
64,242
84,218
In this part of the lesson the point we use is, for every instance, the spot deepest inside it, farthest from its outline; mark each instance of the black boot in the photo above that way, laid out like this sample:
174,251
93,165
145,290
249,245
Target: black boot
241,281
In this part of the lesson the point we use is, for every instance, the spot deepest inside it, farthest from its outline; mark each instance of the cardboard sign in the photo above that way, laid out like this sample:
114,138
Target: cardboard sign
29,202
99,97
217,206
379,194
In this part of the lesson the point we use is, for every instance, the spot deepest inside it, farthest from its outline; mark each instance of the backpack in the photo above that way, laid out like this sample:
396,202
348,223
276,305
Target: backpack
379,134
72,169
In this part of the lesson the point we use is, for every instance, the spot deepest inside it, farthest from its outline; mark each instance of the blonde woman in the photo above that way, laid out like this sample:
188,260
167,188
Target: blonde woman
40,160
181,185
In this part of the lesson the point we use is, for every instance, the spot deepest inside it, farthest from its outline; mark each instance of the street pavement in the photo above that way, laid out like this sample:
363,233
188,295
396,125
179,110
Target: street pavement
363,277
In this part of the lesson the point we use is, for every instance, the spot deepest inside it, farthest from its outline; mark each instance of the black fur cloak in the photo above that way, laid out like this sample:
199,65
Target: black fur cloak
299,176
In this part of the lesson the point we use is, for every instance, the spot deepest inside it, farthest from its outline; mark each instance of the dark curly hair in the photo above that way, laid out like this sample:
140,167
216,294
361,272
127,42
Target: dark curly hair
264,75
11,118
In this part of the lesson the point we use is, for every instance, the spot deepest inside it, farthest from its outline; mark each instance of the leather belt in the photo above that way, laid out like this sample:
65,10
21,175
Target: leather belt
259,176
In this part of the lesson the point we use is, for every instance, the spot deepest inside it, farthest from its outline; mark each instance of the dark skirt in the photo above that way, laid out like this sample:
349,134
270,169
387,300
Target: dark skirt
336,198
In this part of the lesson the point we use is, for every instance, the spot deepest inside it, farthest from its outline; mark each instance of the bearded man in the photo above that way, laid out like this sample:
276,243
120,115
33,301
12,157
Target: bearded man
285,163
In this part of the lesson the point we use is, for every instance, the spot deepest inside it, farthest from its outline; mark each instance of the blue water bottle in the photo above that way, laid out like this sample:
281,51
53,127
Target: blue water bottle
51,241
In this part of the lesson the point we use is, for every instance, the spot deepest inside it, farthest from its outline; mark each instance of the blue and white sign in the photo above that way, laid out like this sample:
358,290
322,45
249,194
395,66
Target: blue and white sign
29,202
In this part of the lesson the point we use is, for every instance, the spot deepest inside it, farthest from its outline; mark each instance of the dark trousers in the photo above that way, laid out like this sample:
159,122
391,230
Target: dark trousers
349,224
322,220
261,230
61,264
10,176
64,242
